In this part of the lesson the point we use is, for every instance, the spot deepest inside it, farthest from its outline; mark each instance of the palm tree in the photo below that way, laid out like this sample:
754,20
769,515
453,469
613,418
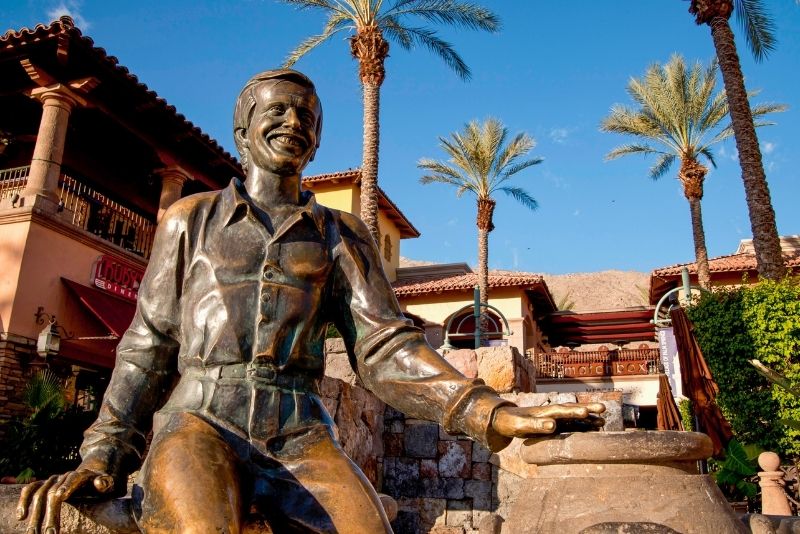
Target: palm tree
373,23
680,118
758,29
481,162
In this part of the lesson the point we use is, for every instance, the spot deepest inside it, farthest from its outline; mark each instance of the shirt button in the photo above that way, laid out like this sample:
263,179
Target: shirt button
268,274
265,297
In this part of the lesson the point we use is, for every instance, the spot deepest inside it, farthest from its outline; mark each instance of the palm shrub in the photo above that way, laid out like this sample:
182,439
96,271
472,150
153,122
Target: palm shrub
45,441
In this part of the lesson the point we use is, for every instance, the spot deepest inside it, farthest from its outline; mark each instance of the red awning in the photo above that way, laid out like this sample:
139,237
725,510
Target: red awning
94,352
114,312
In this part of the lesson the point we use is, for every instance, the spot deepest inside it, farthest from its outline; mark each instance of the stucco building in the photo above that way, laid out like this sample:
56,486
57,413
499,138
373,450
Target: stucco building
89,159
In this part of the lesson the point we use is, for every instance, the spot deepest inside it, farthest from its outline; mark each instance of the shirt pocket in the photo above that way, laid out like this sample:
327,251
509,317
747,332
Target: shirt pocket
305,259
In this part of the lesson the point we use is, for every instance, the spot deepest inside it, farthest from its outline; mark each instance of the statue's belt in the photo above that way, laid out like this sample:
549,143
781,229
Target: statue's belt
258,374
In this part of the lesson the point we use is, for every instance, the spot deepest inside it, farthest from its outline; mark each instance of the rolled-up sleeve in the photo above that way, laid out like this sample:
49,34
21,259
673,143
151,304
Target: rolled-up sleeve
146,358
391,356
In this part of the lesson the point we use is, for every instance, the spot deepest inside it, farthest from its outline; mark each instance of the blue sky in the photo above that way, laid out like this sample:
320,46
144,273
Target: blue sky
554,71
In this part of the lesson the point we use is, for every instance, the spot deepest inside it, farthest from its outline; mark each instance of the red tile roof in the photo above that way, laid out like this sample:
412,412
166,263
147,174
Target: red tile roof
733,262
665,278
438,284
384,202
65,27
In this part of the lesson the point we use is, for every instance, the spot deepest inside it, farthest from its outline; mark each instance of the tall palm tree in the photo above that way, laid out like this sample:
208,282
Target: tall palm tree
481,162
372,23
758,29
680,119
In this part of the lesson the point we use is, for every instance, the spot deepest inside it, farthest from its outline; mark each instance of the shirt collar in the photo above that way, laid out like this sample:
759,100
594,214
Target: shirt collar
234,199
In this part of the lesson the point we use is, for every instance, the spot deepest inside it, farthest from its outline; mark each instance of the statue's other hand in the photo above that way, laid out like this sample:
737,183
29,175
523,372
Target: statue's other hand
531,421
41,501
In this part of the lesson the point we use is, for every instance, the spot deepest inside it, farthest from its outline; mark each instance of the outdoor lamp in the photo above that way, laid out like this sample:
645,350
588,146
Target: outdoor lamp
49,341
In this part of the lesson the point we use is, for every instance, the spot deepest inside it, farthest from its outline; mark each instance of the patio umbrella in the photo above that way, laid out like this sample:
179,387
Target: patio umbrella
698,383
669,417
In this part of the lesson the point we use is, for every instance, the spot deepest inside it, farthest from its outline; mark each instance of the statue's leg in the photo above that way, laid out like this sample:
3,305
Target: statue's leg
189,481
319,489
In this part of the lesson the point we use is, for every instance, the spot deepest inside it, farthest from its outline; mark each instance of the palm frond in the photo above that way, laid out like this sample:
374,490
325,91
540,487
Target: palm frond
759,110
514,169
662,165
450,12
723,134
333,26
518,147
395,31
706,151
441,48
623,120
632,148
473,153
440,168
521,196
759,29
313,4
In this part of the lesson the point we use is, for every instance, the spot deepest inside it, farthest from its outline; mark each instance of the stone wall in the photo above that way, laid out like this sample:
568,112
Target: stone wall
12,374
443,484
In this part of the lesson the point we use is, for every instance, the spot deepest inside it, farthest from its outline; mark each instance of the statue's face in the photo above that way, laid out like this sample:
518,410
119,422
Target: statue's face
282,135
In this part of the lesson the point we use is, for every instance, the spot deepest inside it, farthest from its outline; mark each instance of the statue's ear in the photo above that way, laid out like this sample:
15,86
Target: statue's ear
240,138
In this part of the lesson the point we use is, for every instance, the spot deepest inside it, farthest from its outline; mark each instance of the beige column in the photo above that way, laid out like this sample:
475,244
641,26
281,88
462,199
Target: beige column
172,180
57,102
773,496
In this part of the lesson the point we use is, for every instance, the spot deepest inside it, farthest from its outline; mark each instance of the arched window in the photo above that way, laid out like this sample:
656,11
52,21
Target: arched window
462,329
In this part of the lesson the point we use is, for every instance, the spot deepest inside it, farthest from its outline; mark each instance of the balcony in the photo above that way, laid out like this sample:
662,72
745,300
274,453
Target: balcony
596,364
90,210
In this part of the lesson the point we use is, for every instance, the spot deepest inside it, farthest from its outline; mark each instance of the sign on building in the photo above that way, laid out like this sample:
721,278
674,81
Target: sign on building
117,277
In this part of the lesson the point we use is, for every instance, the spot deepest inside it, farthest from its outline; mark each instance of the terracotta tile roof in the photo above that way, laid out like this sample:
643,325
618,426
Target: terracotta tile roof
384,202
65,27
730,263
460,282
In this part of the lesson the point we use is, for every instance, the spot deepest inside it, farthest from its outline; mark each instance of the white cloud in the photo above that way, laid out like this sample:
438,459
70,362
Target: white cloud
767,147
70,8
576,212
560,135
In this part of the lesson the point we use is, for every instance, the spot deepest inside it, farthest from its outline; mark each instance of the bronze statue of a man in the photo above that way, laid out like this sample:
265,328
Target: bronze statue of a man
225,354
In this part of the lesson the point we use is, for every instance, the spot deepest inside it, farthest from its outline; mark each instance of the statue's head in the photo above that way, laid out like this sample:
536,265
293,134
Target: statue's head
277,123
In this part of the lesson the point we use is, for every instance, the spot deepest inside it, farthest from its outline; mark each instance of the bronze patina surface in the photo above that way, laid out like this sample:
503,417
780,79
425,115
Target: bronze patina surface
225,353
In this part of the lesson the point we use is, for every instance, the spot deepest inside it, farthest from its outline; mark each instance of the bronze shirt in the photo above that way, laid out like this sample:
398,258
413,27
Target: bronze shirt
239,310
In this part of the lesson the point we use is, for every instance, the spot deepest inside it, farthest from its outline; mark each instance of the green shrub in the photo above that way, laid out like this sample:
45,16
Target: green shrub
46,441
762,322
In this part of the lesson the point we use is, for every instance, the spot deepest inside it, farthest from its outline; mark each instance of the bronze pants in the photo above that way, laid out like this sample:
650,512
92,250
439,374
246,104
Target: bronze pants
199,478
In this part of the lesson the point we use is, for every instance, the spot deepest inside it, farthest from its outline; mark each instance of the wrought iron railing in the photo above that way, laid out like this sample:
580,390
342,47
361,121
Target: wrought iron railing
588,364
92,211
12,181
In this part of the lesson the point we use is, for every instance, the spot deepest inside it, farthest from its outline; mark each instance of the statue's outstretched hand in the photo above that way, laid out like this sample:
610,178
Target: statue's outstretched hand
41,501
531,421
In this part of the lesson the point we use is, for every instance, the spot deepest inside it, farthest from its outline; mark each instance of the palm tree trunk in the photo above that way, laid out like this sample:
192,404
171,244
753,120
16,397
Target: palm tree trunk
371,49
484,223
692,174
700,251
766,242
369,158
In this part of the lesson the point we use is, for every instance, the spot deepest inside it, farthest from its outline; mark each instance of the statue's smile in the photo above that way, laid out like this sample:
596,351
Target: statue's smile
287,141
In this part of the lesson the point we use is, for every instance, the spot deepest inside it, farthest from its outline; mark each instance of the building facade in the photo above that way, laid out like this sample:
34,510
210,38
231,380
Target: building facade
89,159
